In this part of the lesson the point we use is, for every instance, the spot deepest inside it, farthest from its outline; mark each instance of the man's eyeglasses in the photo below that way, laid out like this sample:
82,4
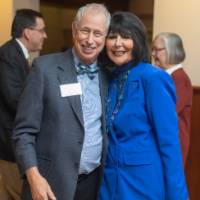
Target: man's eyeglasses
42,30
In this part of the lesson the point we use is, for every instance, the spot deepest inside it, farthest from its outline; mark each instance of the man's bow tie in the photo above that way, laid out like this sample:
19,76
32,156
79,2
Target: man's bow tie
87,69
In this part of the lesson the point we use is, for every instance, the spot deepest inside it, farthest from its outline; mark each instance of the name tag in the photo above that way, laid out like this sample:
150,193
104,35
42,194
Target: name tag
70,89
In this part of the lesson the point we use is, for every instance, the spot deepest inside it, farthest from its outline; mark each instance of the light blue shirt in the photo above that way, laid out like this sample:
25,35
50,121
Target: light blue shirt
92,112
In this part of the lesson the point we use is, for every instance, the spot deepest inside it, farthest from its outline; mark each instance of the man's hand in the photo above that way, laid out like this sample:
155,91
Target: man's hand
40,189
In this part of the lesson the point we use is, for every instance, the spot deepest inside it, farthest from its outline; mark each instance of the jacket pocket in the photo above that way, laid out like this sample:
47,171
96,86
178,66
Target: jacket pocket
133,90
137,158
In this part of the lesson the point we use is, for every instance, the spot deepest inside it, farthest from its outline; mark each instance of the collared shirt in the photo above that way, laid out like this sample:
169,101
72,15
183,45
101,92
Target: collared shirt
173,68
24,49
92,112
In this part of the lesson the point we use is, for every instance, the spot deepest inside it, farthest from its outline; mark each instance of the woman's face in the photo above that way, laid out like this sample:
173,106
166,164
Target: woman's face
159,53
119,49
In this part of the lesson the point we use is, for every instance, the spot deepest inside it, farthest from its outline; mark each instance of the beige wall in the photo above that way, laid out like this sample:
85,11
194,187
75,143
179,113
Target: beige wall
182,17
6,7
33,4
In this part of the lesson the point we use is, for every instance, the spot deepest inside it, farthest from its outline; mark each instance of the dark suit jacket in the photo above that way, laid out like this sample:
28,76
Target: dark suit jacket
49,129
13,72
183,107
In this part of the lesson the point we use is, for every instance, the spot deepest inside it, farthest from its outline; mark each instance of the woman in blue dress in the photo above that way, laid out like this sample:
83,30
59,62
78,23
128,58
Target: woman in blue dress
144,158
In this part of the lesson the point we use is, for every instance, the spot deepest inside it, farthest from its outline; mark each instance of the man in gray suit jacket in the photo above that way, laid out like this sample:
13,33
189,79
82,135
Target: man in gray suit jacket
59,136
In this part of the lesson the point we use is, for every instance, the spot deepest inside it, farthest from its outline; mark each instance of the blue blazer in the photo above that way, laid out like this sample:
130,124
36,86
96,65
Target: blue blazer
144,158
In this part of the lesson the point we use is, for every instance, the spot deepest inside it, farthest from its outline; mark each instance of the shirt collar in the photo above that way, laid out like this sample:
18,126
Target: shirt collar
174,68
77,60
24,49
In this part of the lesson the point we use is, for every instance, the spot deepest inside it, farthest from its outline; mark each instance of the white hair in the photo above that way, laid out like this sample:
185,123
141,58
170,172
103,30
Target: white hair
94,7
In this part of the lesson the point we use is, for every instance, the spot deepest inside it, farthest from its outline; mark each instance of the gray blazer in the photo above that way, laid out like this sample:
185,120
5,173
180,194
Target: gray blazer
49,128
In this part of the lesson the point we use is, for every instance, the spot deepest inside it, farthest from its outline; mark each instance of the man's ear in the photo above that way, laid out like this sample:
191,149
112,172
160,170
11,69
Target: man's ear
26,33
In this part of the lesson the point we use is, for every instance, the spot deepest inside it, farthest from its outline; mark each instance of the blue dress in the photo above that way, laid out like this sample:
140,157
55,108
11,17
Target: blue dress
144,158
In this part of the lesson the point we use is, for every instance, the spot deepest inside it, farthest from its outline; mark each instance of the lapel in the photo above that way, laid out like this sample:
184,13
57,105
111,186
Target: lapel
134,75
66,74
103,85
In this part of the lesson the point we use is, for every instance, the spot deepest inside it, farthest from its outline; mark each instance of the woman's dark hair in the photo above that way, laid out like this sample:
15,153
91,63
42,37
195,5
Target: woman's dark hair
129,25
24,18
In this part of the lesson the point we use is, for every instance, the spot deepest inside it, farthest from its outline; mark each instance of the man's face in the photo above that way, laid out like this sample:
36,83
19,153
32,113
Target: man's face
89,36
36,35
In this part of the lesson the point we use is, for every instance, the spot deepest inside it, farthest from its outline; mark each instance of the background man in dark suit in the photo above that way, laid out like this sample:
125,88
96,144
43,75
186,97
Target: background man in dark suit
28,34
59,134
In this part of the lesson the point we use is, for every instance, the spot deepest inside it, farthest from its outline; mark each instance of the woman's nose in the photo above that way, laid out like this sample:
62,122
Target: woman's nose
118,41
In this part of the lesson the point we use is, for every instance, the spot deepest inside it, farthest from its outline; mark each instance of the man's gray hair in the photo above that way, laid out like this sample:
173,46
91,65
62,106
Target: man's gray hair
94,7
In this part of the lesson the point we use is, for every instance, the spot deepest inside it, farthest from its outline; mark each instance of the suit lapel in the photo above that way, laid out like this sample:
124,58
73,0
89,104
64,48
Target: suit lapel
103,84
66,75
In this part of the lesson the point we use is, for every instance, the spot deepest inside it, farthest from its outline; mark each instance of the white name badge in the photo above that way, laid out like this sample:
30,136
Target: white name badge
70,89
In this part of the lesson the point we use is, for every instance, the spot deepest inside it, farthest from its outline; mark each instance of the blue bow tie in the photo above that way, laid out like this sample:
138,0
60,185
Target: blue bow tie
86,69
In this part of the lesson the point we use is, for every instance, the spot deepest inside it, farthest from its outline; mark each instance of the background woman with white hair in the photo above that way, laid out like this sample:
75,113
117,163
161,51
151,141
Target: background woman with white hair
168,53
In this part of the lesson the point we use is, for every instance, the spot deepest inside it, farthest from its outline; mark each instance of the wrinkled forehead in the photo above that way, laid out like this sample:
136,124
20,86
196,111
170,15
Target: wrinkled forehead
93,20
